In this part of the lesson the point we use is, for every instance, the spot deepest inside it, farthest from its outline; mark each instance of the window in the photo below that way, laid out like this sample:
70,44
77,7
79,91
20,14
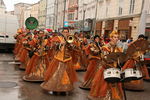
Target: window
132,4
106,11
107,7
71,16
120,10
121,5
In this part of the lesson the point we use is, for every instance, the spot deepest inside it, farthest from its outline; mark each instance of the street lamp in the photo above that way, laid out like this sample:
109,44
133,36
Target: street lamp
84,10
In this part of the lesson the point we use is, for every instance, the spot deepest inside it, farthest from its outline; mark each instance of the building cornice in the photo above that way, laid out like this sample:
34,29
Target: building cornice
120,17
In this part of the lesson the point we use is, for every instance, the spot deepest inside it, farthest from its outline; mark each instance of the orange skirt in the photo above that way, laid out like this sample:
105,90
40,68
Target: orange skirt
90,73
23,55
59,76
36,68
101,89
135,85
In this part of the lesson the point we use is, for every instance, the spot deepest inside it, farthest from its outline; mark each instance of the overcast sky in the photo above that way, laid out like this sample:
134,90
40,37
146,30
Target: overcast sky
10,3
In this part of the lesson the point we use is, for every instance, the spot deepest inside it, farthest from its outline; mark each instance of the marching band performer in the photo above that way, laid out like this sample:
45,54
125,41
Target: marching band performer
24,54
19,45
75,54
60,74
101,89
83,57
94,52
38,63
145,72
135,62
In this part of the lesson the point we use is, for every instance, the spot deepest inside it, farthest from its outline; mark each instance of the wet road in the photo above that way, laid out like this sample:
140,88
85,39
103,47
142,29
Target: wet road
17,89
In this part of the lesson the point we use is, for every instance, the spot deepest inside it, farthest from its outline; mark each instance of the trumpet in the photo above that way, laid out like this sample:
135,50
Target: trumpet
70,39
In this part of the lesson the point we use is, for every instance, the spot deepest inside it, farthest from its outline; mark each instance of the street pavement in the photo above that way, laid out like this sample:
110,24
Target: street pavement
12,87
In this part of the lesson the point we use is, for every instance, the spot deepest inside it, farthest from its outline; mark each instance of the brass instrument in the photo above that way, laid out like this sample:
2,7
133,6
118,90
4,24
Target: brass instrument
70,39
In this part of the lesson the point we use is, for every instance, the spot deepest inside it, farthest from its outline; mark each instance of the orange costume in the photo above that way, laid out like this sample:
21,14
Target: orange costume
60,74
19,45
94,53
37,65
136,62
134,84
101,89
83,59
145,72
144,69
24,52
75,54
18,38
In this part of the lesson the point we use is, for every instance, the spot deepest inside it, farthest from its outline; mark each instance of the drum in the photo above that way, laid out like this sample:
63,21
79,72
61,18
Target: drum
112,75
138,74
129,74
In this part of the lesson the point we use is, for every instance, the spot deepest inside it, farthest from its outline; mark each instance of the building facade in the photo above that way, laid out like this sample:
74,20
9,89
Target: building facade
27,13
121,15
31,11
2,7
42,13
61,13
86,15
147,18
35,10
19,11
72,14
50,14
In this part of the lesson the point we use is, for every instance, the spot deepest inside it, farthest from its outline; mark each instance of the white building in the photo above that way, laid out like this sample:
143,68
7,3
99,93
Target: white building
147,18
121,15
2,7
61,15
19,10
42,13
34,10
27,13
50,14
86,14
88,7
72,15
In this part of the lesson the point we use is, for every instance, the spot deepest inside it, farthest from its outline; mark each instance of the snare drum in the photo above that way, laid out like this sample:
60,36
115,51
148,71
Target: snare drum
130,74
138,74
112,75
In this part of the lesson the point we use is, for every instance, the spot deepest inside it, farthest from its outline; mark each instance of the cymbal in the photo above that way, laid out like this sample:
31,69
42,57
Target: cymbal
137,48
115,57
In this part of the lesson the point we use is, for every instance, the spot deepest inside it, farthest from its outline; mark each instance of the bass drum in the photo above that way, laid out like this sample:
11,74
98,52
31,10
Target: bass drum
112,75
